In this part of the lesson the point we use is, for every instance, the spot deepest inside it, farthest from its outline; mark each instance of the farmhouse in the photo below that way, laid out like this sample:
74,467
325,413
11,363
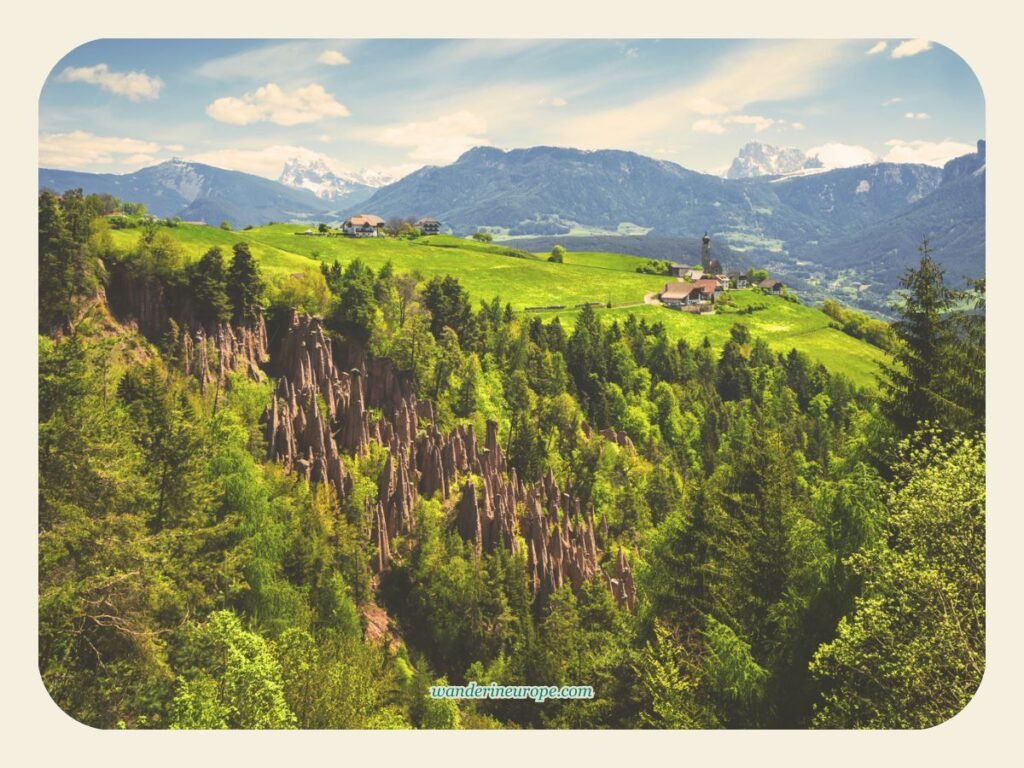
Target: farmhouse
363,225
709,288
738,279
771,286
677,270
429,226
693,274
678,295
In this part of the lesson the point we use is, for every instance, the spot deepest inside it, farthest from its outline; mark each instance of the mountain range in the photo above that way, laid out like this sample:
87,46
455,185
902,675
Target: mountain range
197,192
552,191
783,210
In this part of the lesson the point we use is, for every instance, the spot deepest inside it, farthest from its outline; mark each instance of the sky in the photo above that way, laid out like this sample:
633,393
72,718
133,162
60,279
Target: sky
392,106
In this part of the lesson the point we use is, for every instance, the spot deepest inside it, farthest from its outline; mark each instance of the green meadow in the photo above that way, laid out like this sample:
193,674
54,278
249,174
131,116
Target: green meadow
529,280
783,324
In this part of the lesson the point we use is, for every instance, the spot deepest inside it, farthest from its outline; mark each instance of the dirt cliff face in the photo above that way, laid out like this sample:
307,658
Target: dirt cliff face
210,352
320,412
211,357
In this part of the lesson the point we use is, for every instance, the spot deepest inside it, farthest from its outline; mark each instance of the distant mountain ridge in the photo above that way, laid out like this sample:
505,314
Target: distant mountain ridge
952,217
197,192
870,216
551,190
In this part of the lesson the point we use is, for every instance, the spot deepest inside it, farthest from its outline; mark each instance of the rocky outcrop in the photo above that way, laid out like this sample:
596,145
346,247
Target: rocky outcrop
619,438
320,412
212,357
621,584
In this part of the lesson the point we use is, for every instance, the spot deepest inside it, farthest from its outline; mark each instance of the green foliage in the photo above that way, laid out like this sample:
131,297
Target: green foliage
655,267
208,285
245,284
71,242
186,580
483,237
355,313
228,678
305,291
557,255
911,654
937,372
449,307
755,276
860,326
334,680
667,679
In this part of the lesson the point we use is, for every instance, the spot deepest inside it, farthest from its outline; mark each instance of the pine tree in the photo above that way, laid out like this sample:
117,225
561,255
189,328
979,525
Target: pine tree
245,286
55,276
934,376
208,282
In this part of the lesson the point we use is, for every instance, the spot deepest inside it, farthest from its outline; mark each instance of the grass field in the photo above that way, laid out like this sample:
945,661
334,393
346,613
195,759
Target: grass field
783,324
486,271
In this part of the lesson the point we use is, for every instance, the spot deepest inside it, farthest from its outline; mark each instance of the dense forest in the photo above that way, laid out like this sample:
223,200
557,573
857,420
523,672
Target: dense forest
302,505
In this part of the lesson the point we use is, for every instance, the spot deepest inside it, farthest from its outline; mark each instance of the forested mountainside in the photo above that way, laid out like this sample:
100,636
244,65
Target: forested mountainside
255,516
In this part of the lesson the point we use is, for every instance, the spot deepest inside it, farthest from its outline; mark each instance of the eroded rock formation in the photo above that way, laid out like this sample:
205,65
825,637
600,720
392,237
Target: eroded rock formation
320,412
211,357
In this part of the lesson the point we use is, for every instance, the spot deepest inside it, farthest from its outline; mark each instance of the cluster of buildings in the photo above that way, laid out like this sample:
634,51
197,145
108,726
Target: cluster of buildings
696,290
369,225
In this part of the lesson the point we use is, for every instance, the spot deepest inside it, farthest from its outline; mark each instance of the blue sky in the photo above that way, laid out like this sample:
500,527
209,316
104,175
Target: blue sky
395,105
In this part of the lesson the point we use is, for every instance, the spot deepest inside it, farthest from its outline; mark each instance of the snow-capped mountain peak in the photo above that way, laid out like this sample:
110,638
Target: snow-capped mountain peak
757,159
315,175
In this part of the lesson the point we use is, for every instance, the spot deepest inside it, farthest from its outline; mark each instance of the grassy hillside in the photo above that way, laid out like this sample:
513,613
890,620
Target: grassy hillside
487,270
783,324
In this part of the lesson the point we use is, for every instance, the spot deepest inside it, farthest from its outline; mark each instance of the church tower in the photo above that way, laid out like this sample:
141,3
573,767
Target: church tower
705,253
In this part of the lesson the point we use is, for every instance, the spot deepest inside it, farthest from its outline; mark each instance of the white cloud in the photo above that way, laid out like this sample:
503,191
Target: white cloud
333,58
140,160
440,140
267,162
325,138
878,47
174,147
552,101
308,104
704,106
837,155
916,115
291,61
763,72
80,149
893,100
708,126
132,85
718,126
911,48
760,123
632,52
935,153
797,126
